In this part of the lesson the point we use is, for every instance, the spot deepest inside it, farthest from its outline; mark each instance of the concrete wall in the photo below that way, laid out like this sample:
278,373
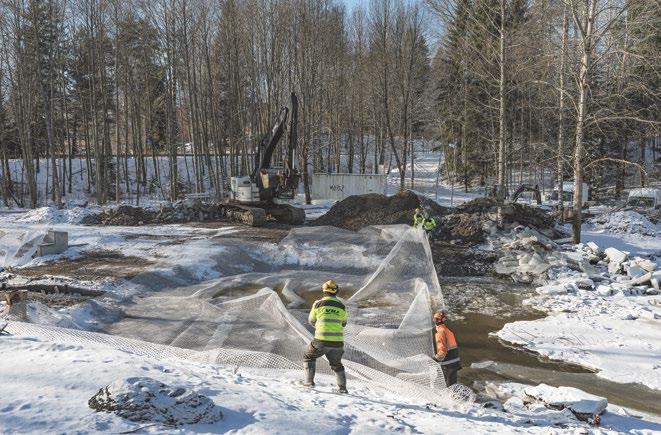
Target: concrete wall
340,186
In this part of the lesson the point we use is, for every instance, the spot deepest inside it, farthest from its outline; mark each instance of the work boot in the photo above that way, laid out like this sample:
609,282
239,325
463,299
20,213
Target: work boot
341,382
309,374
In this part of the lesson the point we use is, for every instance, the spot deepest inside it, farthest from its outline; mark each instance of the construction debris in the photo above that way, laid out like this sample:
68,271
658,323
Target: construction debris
624,222
472,222
464,227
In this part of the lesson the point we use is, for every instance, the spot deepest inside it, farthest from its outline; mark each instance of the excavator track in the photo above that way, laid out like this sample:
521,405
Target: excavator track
244,214
285,213
257,214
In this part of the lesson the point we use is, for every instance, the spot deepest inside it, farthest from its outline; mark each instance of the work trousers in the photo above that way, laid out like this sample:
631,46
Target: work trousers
333,354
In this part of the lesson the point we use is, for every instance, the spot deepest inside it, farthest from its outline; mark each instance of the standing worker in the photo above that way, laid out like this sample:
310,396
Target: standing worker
418,218
329,317
445,349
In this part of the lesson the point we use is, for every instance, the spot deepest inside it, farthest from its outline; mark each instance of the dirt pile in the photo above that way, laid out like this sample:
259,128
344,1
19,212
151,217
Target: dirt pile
179,212
471,222
359,211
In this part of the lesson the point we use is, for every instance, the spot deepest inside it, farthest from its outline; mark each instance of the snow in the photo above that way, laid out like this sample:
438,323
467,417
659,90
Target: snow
624,222
614,335
53,215
156,189
535,401
426,182
567,397
47,384
601,297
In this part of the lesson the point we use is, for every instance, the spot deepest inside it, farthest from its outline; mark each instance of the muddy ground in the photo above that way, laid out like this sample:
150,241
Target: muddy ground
89,267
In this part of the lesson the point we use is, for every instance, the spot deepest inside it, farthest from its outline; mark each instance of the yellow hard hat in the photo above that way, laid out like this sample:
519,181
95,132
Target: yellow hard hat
330,286
418,210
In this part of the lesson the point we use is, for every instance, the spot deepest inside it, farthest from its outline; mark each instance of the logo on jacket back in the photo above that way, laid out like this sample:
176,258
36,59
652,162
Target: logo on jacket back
331,311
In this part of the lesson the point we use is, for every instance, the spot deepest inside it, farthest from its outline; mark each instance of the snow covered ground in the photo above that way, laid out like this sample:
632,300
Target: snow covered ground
49,381
428,182
47,384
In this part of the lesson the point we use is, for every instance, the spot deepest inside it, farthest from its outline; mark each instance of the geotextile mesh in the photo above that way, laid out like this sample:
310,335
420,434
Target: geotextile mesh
387,281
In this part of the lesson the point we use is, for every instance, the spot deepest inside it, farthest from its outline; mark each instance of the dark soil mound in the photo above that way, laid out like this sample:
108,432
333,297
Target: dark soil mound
179,212
122,215
359,211
471,222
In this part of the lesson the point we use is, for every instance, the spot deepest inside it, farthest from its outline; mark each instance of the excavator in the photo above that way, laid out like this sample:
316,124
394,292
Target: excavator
527,188
254,198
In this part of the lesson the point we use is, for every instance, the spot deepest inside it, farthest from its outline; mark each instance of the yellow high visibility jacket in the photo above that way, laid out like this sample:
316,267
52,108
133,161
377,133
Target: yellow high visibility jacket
429,224
329,317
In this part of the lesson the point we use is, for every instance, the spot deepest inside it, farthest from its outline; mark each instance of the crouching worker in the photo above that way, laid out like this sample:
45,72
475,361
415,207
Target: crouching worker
418,218
329,317
445,349
429,224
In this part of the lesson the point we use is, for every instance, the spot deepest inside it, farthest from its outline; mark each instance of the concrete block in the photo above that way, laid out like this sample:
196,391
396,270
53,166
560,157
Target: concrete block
55,242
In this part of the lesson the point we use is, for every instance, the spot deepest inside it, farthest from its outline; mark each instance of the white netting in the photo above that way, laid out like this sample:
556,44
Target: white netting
18,246
258,319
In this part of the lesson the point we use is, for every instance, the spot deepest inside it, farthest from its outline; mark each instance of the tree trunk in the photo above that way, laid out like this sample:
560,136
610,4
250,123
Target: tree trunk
561,114
583,90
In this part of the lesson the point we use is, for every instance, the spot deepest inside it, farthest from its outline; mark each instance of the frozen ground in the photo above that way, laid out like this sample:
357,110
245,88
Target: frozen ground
47,384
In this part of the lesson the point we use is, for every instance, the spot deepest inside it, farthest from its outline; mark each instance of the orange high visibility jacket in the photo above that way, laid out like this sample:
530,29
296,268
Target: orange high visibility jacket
445,344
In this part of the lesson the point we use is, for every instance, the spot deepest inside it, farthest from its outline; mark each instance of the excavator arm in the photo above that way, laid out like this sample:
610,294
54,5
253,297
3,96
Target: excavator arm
523,188
273,182
268,143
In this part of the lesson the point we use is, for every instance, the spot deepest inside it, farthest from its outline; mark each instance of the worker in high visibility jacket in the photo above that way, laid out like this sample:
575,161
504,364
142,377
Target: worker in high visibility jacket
329,317
446,350
429,224
418,218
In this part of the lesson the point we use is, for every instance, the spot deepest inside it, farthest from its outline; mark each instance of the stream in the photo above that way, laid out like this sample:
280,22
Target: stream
484,305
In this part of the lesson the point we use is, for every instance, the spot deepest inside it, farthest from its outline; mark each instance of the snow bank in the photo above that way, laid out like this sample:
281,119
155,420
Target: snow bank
616,335
53,215
563,405
579,402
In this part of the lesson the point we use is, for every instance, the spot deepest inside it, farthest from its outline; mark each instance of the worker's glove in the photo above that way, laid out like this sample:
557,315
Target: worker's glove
440,356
